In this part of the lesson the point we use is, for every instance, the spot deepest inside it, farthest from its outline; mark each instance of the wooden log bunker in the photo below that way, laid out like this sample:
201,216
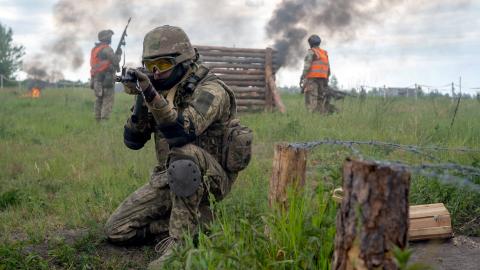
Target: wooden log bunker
249,72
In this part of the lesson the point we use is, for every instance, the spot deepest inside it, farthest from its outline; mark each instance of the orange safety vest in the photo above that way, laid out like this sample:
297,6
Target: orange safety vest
98,65
320,66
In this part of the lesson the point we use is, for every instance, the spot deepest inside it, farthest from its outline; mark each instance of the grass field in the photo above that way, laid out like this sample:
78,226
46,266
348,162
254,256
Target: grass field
62,175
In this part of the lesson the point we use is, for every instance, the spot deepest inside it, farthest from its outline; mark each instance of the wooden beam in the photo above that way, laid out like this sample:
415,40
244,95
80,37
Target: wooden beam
244,66
242,77
244,83
248,89
228,49
272,97
246,102
237,71
234,60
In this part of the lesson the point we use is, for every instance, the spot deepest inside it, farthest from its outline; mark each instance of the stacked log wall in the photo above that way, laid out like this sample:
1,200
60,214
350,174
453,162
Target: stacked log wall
244,70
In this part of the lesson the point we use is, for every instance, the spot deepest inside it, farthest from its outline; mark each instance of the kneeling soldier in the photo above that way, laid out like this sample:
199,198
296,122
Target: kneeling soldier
199,142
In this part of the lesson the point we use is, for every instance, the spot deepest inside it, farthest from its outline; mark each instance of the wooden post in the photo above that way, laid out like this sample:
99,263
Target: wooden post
289,170
272,97
373,218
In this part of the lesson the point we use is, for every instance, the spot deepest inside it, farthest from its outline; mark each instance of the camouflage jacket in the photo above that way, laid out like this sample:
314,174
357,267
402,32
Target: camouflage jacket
205,111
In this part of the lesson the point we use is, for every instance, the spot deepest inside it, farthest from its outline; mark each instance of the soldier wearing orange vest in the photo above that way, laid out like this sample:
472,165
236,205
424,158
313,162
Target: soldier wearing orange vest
314,80
103,63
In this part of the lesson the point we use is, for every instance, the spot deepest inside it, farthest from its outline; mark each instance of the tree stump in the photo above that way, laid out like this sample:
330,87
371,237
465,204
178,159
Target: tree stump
373,218
289,170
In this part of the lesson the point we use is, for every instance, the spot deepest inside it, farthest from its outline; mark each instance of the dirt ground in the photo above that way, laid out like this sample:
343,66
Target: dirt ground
460,252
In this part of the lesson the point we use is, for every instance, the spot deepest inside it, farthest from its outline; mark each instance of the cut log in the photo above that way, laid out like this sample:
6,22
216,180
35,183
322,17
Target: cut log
242,77
233,54
246,102
244,66
288,171
272,94
260,96
429,221
237,71
255,108
240,89
244,83
373,218
426,221
235,60
228,49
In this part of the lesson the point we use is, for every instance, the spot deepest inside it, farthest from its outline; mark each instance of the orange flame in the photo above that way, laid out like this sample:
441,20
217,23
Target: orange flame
35,92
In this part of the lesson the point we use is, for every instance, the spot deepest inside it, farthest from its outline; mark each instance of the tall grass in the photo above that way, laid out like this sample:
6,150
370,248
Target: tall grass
61,171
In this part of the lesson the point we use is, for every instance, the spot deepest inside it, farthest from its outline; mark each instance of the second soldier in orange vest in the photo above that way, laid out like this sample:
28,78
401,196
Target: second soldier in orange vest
314,80
103,62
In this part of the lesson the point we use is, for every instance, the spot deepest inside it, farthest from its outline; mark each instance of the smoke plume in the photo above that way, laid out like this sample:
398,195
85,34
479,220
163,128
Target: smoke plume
78,22
294,20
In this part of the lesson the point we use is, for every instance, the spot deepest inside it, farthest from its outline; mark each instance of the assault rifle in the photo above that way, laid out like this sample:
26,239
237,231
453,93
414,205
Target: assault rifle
122,42
337,94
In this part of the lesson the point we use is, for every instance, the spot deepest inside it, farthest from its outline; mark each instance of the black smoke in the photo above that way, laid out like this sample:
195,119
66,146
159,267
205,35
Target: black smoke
338,20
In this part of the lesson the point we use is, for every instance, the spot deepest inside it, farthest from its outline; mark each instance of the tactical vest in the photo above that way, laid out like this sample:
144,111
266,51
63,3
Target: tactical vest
320,65
228,141
98,65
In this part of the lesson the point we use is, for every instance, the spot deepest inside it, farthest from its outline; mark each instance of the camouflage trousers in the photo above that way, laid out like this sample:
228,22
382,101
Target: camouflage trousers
316,96
104,100
153,210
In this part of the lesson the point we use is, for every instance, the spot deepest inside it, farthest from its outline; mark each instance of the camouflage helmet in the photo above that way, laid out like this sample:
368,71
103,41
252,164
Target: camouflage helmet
105,35
168,40
314,41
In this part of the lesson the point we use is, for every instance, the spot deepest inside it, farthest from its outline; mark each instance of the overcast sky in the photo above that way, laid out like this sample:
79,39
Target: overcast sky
425,42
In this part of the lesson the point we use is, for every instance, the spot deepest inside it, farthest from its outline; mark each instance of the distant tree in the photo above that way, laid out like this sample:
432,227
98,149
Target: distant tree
10,54
334,82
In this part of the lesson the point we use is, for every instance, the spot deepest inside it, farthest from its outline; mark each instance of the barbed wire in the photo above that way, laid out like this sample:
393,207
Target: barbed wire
430,170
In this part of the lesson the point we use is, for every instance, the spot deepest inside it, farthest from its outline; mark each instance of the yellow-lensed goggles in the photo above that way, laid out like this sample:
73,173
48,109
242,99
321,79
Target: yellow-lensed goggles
161,64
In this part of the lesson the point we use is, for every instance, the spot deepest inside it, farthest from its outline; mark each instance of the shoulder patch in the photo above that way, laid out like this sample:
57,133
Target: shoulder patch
203,102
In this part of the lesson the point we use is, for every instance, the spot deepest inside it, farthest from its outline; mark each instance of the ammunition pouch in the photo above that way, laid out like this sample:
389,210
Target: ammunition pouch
184,177
237,146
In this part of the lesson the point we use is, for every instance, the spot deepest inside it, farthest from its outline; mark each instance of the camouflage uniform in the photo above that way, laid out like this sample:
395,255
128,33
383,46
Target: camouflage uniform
315,89
154,209
103,84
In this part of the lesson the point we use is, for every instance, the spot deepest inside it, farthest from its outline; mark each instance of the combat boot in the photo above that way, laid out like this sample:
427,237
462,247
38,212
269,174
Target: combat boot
165,248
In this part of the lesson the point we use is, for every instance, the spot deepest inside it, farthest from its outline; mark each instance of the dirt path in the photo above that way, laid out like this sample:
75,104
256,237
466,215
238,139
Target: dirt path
461,252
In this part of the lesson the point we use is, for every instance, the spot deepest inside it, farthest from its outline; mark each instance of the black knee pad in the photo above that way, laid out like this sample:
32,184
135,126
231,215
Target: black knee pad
184,177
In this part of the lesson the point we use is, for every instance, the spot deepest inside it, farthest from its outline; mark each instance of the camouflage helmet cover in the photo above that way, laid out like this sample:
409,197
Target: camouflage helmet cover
168,40
105,35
